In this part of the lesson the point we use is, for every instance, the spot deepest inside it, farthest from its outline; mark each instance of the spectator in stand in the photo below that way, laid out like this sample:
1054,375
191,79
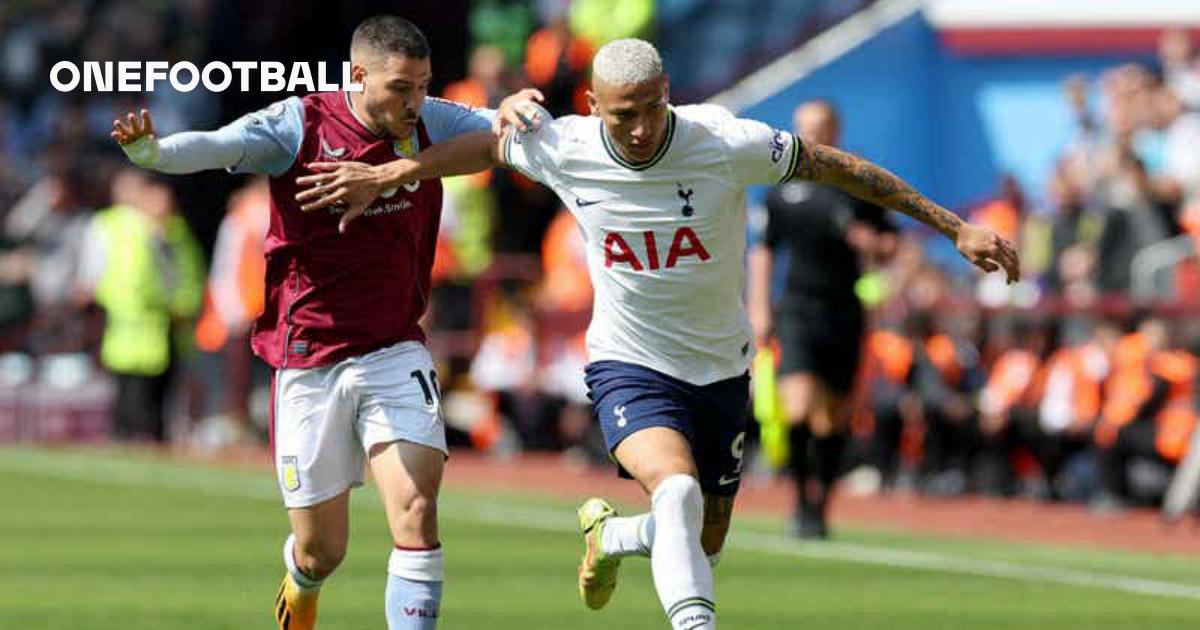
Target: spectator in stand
602,21
946,376
1181,65
1070,224
1151,414
1180,180
484,85
1069,401
1008,407
557,63
47,226
1126,191
889,402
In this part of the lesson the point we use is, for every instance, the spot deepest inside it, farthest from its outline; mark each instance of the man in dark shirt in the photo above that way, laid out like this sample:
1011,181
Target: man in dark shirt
820,233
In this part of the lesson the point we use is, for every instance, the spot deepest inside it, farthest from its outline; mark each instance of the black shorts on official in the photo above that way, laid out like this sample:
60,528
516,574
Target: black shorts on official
822,338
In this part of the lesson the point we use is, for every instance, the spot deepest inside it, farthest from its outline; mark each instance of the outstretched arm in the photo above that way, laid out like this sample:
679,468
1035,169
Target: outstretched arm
187,152
354,185
265,142
871,182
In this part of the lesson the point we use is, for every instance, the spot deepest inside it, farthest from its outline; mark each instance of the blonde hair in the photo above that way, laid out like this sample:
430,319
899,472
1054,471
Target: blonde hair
627,61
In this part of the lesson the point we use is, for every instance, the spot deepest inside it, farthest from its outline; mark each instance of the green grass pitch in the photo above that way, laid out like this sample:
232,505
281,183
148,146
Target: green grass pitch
108,540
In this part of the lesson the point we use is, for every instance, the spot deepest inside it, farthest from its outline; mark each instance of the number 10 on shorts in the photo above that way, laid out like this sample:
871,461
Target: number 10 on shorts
429,386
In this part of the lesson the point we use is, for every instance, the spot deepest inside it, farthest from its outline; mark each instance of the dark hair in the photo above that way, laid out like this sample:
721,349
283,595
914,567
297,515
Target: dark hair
391,34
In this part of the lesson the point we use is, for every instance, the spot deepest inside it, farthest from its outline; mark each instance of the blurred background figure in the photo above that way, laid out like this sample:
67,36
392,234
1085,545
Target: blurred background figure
46,230
142,266
233,299
557,62
1149,418
819,235
485,84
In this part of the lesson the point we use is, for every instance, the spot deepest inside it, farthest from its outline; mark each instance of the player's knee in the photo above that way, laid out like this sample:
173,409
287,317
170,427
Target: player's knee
653,478
422,509
418,522
678,502
798,398
317,558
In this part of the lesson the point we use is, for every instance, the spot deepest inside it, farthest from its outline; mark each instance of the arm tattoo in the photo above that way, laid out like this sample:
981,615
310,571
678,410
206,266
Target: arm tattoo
873,183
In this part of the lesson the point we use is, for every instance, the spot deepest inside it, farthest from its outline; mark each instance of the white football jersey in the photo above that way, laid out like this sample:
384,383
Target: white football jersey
666,238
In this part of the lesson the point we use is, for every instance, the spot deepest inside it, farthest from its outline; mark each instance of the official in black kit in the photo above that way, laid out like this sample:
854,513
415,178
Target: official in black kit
817,236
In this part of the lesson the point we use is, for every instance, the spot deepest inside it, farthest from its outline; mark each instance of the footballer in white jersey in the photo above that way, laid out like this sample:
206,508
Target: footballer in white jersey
658,193
666,236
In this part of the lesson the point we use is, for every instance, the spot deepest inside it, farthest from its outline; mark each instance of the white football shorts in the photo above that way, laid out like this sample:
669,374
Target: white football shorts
327,418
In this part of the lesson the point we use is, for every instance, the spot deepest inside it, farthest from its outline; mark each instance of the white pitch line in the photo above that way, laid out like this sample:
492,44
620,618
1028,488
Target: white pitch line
232,485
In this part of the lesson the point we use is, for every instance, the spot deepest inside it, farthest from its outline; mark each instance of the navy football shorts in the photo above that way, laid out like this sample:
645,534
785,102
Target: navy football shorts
627,398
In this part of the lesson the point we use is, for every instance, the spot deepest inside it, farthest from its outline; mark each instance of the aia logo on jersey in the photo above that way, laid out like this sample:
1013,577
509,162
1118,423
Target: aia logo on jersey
685,243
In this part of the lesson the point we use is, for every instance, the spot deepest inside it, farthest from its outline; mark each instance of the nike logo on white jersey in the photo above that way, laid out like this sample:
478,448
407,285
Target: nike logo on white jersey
330,151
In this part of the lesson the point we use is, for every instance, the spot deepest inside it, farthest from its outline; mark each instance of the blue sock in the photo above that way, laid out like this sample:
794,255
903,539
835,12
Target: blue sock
414,589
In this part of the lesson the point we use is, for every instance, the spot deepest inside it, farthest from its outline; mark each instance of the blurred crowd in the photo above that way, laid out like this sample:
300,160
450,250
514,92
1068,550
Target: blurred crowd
1077,383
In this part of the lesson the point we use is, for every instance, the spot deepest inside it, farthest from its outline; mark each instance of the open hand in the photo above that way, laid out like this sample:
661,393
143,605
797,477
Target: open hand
133,127
989,251
135,134
520,110
348,185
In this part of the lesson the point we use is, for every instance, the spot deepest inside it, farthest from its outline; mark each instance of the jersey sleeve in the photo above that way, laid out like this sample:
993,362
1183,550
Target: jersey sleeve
445,120
534,153
760,154
270,138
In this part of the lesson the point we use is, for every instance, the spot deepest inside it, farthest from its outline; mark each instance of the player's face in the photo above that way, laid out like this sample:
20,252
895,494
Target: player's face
635,115
394,88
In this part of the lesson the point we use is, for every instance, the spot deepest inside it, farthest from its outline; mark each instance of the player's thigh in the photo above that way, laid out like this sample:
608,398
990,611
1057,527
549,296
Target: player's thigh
721,414
317,452
652,454
400,425
645,420
322,531
409,477
821,344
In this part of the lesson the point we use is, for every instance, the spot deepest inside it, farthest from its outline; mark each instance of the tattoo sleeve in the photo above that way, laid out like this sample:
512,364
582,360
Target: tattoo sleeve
873,183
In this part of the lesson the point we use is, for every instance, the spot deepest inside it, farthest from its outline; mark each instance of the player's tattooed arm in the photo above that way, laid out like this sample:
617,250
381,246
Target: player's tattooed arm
873,183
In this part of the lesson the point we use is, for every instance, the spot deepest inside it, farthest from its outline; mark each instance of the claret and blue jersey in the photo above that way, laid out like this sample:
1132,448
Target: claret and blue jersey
332,296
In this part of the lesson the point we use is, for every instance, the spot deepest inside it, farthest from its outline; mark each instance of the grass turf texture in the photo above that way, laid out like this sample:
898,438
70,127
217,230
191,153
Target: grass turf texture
108,540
